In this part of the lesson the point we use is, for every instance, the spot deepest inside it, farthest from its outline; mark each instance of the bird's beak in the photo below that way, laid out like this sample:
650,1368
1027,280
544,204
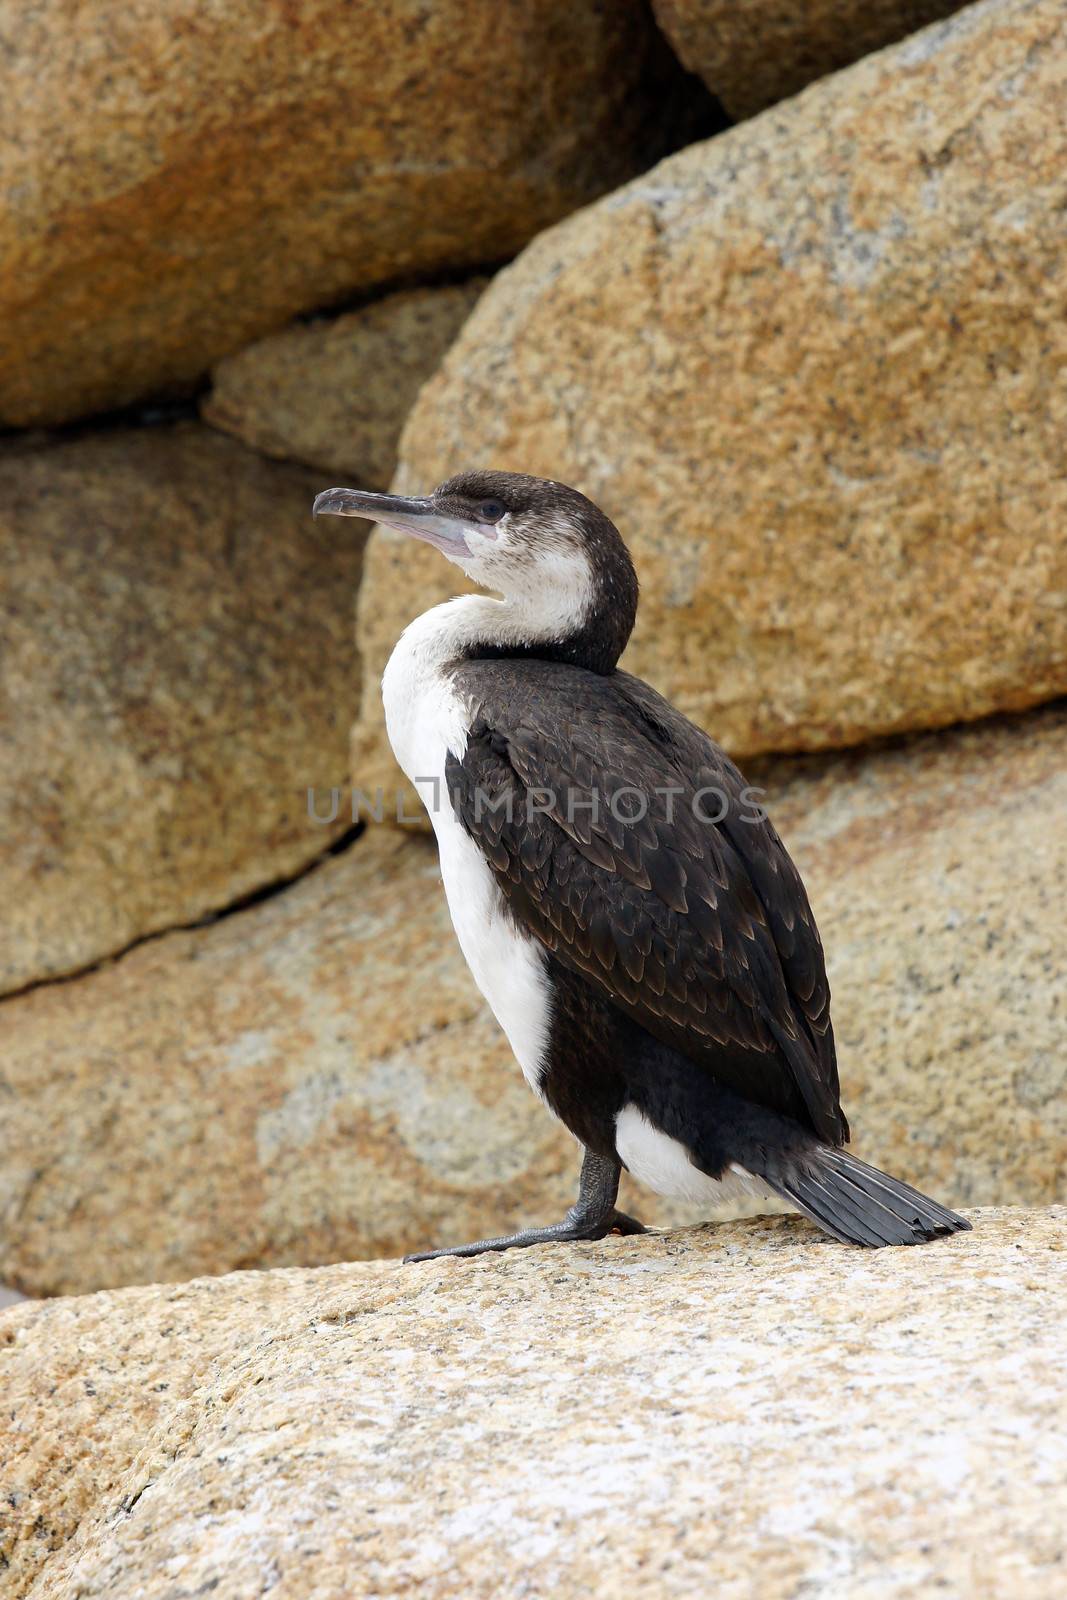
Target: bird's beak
419,517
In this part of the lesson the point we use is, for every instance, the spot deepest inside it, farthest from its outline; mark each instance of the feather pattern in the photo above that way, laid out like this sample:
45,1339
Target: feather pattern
626,841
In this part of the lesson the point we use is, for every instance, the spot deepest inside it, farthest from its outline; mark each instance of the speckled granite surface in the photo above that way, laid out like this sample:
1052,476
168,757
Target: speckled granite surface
334,392
176,667
791,1415
180,179
753,52
812,368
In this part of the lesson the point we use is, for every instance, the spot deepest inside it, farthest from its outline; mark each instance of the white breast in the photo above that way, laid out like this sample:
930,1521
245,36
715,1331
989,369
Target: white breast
426,721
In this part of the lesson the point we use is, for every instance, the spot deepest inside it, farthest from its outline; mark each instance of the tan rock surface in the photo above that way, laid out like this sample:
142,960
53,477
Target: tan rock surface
335,392
311,1080
937,872
317,1078
814,371
177,668
180,179
751,53
621,1418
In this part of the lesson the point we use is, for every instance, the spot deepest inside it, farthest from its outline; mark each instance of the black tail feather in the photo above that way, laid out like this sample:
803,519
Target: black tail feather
860,1205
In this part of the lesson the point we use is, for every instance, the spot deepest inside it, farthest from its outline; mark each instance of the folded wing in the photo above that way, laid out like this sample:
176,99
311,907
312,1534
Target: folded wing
626,841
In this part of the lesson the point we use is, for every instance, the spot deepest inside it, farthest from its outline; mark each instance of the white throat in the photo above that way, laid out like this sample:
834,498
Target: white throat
544,600
546,603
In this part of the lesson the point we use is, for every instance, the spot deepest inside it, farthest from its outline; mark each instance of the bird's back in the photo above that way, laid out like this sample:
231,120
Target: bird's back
626,840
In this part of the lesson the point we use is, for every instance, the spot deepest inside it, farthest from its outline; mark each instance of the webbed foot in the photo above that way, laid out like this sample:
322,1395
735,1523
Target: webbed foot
592,1216
555,1232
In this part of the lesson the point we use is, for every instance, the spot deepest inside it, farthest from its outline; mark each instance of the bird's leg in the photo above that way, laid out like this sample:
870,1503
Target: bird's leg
591,1216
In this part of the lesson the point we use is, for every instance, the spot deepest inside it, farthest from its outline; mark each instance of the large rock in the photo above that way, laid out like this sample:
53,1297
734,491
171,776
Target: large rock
944,950
758,52
177,668
813,371
787,1414
181,178
310,1080
316,1078
335,392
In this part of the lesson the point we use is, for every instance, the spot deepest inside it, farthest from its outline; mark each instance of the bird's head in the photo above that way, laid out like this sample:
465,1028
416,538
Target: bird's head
547,549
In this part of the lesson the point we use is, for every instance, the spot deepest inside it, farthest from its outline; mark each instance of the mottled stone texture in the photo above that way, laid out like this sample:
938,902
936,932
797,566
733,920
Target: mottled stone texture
181,178
813,369
311,1080
785,1413
751,53
317,1078
177,667
938,873
335,392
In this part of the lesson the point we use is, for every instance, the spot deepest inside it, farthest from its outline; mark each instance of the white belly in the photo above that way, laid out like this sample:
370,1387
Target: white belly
664,1165
508,966
426,722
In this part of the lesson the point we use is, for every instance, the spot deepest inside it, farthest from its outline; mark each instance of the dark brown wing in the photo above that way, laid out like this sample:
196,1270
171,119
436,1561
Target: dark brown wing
594,803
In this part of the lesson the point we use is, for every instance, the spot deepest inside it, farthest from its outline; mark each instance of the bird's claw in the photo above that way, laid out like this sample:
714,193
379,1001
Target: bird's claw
621,1223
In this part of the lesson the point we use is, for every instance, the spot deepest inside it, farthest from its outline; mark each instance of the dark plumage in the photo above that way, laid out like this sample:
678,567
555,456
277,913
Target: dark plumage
685,972
701,933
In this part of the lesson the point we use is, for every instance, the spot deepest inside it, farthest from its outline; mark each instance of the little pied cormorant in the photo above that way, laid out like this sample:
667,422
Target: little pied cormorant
659,975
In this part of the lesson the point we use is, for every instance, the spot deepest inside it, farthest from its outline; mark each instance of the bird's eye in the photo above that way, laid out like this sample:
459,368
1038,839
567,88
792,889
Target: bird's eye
491,511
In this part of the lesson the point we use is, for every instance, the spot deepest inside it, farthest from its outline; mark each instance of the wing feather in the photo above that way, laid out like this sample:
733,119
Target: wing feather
699,930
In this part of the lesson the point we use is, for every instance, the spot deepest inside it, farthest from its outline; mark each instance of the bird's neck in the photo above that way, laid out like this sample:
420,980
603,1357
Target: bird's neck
477,628
583,617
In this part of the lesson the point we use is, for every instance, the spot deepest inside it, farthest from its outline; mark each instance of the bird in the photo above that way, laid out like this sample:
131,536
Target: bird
632,918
